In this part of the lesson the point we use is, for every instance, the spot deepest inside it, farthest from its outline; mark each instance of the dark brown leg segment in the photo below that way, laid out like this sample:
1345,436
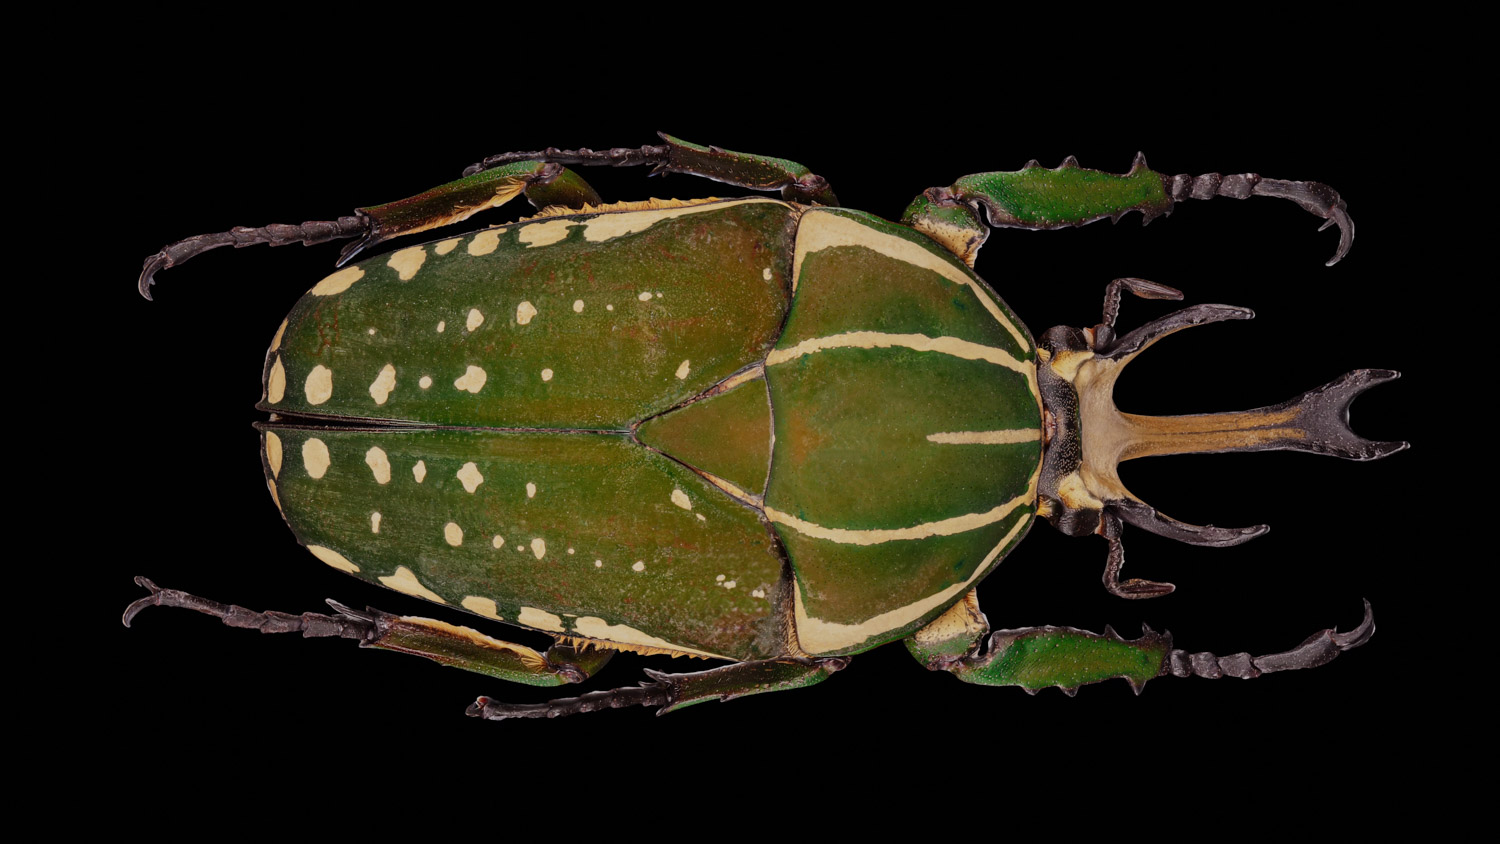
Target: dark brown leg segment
674,691
756,172
443,643
543,183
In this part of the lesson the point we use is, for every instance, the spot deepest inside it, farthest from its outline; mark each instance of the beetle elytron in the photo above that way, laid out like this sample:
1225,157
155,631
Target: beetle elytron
726,428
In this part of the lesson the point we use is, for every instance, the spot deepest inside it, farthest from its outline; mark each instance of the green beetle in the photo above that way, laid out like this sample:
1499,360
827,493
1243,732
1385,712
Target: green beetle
619,425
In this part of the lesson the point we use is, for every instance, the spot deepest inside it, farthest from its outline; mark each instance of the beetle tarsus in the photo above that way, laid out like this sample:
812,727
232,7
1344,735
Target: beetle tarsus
154,264
646,694
1134,588
1318,649
309,233
348,625
1104,332
1315,197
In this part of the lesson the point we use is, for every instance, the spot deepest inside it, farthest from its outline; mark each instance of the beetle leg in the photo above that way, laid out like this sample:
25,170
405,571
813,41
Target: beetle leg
1104,332
1318,649
544,184
674,691
308,234
447,644
745,170
1134,588
1037,657
1037,198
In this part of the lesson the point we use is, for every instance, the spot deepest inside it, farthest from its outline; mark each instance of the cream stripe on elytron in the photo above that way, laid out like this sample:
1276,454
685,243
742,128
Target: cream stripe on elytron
876,536
824,230
593,627
612,224
918,342
816,636
1009,437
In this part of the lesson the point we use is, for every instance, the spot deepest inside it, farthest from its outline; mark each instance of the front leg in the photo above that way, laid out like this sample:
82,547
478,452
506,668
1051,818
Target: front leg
1033,658
1039,198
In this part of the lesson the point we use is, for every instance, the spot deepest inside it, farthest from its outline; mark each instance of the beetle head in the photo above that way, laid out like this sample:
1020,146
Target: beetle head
1086,437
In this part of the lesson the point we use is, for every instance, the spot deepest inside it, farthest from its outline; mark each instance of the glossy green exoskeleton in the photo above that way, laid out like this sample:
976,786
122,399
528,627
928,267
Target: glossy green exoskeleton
773,432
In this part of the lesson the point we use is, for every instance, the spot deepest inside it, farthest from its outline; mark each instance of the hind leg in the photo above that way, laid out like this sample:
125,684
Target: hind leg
443,643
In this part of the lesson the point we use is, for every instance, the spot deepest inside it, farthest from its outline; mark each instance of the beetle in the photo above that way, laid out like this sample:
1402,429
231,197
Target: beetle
973,651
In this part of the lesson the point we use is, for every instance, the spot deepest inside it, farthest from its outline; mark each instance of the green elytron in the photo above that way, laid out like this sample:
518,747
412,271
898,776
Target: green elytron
772,432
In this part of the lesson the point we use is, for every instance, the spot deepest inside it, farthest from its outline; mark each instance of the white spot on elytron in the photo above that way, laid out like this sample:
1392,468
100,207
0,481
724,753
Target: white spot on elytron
546,375
315,458
609,307
475,319
333,558
570,550
598,564
719,579
405,581
530,490
681,500
758,593
338,282
276,341
453,534
375,522
472,380
645,296
541,620
442,326
407,262
470,476
521,548
498,542
379,464
485,242
380,388
577,306
425,382
273,453
419,471
700,517
544,234
370,332
276,382
539,547
640,565
658,294
766,273
483,606
319,384
682,370
446,246
729,584
271,485
524,312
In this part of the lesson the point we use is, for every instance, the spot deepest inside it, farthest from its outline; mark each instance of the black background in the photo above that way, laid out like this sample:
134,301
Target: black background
191,512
